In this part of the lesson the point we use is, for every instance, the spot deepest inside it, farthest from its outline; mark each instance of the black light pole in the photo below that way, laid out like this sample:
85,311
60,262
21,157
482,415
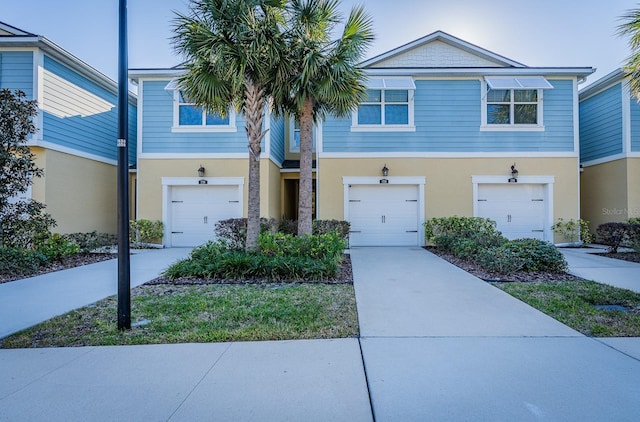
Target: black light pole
124,279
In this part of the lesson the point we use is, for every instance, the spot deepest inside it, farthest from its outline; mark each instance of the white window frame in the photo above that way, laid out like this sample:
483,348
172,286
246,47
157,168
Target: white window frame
177,127
512,127
293,148
382,85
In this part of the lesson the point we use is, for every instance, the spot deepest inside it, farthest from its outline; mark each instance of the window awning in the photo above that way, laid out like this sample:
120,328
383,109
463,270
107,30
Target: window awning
391,83
522,82
172,85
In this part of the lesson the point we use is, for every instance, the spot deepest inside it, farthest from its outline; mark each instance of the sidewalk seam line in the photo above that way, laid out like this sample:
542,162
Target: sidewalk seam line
213,365
92,348
366,379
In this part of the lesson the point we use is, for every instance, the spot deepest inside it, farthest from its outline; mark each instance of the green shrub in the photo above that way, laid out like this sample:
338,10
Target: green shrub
18,261
573,230
93,240
145,231
633,235
612,234
25,224
340,227
233,231
463,236
314,246
288,227
215,260
57,247
527,255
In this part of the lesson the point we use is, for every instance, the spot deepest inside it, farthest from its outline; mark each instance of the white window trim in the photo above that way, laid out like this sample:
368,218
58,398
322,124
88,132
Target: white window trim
177,128
296,149
512,127
409,127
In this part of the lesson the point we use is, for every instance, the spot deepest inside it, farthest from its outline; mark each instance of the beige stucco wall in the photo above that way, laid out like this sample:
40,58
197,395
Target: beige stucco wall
151,172
79,193
633,182
604,195
449,187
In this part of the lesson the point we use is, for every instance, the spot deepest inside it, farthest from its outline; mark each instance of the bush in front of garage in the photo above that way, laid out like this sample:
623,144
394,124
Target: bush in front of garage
282,257
477,239
464,237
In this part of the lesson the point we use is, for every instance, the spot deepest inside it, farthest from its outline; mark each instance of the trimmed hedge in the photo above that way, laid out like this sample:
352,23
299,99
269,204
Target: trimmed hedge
20,261
233,231
478,240
616,235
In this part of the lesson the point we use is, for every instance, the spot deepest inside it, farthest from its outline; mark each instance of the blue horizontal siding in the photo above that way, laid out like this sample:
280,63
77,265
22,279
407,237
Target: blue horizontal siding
16,71
84,120
635,125
277,138
447,116
157,120
601,124
133,133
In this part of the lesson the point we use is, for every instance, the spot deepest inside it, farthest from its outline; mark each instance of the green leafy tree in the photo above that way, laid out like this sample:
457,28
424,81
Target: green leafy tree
322,77
22,223
631,28
233,51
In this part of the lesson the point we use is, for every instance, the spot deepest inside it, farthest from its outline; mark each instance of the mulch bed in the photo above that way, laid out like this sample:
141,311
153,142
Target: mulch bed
473,268
625,256
64,264
344,277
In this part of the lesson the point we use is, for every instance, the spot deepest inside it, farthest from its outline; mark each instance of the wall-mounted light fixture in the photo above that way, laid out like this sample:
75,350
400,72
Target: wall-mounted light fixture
514,174
385,173
201,171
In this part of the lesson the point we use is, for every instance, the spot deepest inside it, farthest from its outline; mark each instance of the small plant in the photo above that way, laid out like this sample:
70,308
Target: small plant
93,240
57,247
145,231
528,255
17,261
573,230
233,231
613,234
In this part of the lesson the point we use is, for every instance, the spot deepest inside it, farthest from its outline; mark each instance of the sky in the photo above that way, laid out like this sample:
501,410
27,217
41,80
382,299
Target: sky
552,33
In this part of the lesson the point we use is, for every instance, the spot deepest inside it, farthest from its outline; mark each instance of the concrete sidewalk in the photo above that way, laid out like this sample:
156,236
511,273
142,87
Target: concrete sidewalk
584,263
24,303
437,344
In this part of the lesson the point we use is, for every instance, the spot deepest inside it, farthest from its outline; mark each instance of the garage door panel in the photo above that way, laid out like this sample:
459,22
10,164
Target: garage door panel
384,215
518,210
196,209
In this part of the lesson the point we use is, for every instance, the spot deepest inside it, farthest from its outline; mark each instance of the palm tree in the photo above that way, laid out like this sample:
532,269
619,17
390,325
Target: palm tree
233,50
631,28
323,77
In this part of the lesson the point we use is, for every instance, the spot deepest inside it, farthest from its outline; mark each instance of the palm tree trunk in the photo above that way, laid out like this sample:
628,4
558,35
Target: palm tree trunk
305,216
254,114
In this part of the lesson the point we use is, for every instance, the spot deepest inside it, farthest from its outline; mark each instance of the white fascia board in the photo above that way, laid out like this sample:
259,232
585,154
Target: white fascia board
603,160
483,71
503,180
136,74
468,154
55,147
190,181
189,155
602,84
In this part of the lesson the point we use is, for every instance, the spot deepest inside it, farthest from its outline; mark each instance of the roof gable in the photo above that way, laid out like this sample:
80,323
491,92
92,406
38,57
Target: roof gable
8,30
439,50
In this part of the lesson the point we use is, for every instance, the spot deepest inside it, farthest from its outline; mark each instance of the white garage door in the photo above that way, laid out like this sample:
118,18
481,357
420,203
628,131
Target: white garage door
196,209
518,210
383,215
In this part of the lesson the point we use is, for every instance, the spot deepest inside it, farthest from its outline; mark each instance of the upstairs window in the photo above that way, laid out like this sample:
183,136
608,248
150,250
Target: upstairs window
512,107
294,139
514,103
187,117
388,106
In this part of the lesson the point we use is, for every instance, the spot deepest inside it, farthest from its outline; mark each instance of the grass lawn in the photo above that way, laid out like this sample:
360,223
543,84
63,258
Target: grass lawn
205,313
574,303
